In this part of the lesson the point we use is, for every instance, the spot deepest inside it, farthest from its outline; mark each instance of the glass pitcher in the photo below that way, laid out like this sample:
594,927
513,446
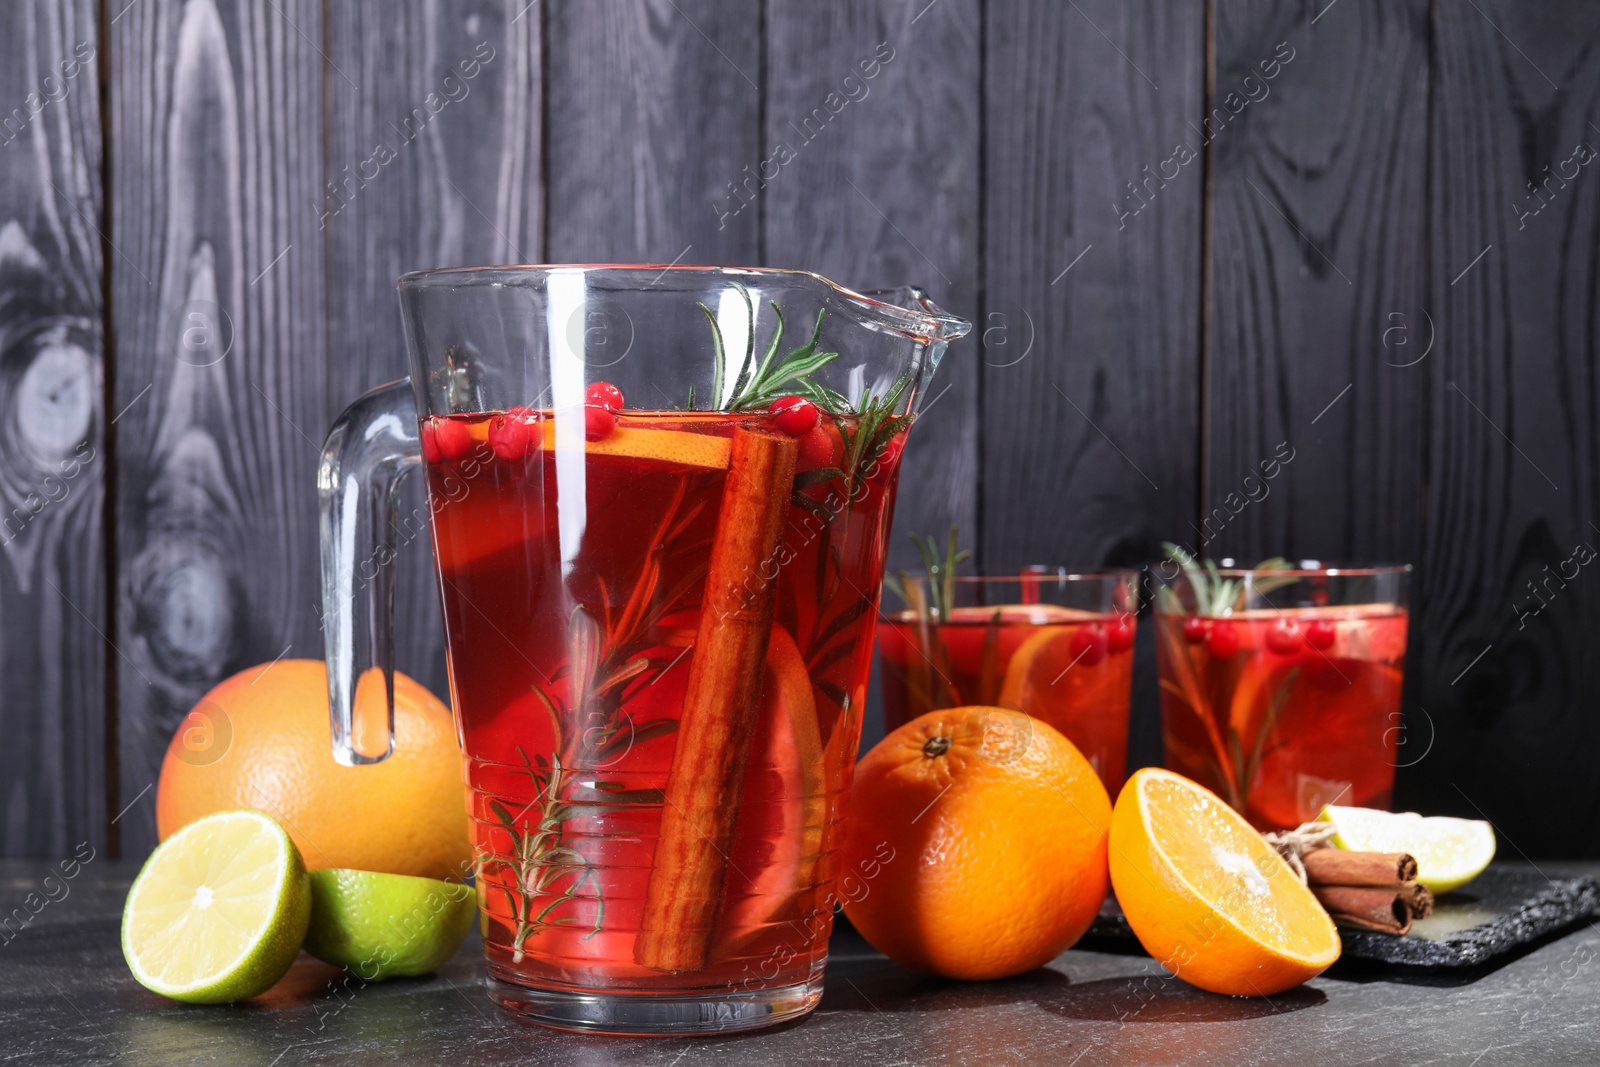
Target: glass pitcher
660,502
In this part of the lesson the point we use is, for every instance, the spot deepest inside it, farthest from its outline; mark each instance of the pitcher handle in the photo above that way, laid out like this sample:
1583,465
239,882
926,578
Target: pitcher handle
373,445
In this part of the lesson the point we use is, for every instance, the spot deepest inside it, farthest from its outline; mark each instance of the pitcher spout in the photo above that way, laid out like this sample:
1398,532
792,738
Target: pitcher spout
909,310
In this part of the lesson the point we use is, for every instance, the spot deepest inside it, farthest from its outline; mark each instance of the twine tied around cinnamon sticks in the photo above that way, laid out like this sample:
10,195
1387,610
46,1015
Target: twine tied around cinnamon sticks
1368,890
1292,845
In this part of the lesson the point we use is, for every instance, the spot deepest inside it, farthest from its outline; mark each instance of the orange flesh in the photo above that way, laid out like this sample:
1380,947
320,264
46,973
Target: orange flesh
1233,870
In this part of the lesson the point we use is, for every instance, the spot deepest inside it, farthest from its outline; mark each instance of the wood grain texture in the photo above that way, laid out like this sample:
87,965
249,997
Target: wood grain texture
1089,336
435,162
52,449
1513,432
1318,133
1089,408
219,303
654,106
879,103
1020,158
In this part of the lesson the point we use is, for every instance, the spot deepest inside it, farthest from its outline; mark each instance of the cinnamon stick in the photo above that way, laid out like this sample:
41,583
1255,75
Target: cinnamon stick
720,702
1335,866
1381,908
1418,898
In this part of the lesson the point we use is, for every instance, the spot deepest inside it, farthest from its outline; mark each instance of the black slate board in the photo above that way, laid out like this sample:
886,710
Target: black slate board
1501,910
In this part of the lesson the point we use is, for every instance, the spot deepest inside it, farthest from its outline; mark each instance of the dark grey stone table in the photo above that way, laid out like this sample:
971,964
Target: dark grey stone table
66,997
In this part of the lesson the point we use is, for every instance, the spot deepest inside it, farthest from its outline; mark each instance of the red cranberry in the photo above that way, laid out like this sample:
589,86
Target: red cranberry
514,434
453,437
603,394
1284,637
1320,635
795,415
1195,629
1223,641
430,445
1120,633
1088,644
817,449
598,422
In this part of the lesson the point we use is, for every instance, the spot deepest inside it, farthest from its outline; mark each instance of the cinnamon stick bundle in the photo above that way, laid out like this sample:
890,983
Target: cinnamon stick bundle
1369,890
701,809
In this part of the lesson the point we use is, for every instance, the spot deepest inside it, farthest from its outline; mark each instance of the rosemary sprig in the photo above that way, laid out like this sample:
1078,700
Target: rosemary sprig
543,855
1209,688
872,428
759,384
1213,594
941,571
941,577
866,426
928,682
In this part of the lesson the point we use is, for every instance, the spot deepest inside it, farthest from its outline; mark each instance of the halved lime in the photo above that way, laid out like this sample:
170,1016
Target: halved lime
219,910
386,925
1449,852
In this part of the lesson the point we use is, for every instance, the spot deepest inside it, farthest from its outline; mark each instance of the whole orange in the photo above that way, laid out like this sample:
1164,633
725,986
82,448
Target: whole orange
975,844
261,740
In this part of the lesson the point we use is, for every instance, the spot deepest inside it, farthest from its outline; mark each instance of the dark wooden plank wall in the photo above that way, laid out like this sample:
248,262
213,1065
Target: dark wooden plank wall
1510,679
1317,255
53,762
219,313
1188,233
1318,320
1091,319
1089,324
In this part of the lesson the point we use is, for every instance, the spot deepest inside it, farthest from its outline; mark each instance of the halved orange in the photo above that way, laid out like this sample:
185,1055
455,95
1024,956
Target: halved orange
1207,896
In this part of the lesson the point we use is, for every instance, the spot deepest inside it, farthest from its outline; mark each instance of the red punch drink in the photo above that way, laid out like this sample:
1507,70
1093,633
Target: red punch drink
1284,709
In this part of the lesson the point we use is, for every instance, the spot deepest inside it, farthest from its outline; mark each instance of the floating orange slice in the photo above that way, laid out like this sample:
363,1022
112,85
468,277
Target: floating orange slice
784,809
1207,897
1041,674
703,450
1051,679
683,447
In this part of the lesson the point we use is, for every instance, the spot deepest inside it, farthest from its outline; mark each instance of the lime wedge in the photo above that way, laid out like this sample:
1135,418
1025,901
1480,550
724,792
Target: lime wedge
386,925
218,912
1449,852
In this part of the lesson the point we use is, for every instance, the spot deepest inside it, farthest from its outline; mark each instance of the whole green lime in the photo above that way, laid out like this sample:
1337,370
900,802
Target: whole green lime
386,925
